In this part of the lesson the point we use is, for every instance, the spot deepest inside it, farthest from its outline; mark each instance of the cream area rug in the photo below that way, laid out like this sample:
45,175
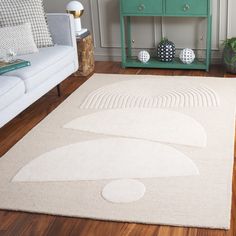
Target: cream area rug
135,148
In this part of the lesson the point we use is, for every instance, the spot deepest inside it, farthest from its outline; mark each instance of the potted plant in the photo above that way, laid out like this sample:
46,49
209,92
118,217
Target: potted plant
229,55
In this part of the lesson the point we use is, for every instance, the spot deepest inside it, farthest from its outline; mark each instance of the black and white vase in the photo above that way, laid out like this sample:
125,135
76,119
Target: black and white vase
166,51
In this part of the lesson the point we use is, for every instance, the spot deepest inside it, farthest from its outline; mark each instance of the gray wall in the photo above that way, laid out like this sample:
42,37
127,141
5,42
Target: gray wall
102,19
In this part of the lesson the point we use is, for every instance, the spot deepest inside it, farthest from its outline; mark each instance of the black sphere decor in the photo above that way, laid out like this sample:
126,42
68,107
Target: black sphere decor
166,50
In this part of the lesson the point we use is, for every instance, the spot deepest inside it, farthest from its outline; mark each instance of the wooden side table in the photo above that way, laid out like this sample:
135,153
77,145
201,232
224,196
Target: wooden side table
85,55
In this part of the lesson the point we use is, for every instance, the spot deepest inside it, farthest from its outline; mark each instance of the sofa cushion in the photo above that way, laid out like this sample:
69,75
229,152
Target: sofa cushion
11,89
43,65
18,38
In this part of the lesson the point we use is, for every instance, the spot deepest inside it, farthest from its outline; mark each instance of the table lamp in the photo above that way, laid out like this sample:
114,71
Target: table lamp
76,9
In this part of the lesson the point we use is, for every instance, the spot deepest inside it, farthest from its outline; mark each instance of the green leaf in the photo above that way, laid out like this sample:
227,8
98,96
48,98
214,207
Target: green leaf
231,43
164,39
230,60
227,61
233,59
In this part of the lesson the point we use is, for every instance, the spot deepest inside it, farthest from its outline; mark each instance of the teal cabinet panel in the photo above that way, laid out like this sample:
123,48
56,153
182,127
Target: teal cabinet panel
140,7
186,7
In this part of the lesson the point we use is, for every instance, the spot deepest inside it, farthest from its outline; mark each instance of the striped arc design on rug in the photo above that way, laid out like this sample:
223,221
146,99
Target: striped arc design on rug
130,94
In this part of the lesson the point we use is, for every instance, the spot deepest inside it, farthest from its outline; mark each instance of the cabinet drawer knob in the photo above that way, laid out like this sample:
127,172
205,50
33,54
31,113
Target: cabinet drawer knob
141,7
186,7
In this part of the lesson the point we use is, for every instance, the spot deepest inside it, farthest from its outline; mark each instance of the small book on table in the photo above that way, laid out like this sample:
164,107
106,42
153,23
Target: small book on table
13,65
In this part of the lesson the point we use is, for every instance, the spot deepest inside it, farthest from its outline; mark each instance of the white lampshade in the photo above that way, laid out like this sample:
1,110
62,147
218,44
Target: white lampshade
75,8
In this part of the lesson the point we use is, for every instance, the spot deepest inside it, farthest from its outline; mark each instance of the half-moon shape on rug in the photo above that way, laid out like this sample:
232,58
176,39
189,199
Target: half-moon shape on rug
111,158
147,93
149,124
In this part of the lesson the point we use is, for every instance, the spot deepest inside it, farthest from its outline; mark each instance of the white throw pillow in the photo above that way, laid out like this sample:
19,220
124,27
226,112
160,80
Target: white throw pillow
17,12
19,38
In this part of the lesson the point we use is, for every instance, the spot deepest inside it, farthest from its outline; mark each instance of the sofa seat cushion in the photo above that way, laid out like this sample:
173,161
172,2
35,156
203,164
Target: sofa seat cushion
11,89
44,64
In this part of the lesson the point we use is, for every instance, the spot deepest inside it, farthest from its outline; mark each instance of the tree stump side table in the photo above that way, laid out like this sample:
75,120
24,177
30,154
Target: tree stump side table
85,56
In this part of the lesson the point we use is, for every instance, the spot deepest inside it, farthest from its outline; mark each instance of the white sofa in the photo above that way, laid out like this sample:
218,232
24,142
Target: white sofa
20,88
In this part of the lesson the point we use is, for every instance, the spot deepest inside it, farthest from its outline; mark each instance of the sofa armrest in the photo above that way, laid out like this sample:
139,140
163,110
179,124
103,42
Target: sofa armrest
62,28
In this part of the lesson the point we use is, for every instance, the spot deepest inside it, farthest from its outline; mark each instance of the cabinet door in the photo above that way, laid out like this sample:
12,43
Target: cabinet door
186,7
141,7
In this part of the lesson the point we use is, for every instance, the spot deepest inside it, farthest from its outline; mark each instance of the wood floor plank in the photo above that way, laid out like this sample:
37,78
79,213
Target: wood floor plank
18,223
192,231
39,225
164,231
206,232
62,226
95,227
7,218
179,231
141,229
17,227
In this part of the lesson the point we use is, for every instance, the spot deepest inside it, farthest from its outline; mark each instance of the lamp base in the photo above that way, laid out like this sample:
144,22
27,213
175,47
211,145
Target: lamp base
82,31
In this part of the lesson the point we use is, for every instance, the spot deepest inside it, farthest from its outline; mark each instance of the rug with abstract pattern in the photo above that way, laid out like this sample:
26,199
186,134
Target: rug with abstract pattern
135,148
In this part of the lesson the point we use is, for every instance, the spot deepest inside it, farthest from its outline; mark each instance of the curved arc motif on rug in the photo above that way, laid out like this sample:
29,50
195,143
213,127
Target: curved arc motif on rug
117,95
111,158
148,124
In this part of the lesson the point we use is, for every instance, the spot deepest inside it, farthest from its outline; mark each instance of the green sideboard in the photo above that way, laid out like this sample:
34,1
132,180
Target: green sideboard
163,8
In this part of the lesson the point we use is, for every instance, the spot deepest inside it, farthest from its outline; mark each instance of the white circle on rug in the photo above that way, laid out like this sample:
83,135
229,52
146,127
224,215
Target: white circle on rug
123,191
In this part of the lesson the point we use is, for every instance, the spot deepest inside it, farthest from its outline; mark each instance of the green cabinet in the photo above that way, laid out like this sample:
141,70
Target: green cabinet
164,8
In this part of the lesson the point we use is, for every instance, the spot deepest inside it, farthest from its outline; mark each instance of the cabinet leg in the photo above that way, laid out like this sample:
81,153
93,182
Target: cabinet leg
122,31
209,38
129,36
58,90
123,66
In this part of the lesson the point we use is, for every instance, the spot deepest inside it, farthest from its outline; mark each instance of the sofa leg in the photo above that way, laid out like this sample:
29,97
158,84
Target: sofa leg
58,90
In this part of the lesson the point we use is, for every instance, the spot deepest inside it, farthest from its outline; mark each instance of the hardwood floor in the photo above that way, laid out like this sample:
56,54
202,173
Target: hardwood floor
19,223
